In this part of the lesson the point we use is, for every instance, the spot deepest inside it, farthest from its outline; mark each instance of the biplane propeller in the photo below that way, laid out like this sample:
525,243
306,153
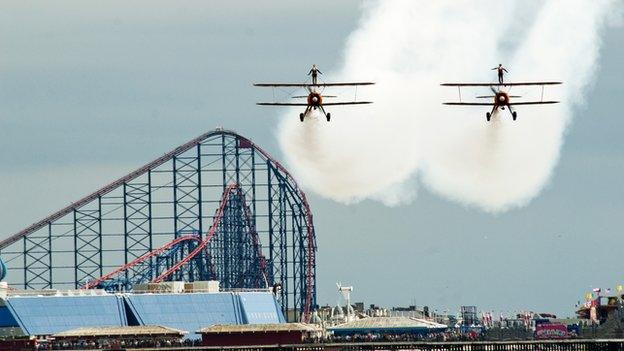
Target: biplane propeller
500,98
315,96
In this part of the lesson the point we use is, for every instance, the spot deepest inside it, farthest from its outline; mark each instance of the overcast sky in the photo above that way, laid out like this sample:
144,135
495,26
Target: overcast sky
91,91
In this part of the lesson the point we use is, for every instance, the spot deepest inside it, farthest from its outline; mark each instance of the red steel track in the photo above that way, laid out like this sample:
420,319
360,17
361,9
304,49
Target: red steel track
93,283
202,245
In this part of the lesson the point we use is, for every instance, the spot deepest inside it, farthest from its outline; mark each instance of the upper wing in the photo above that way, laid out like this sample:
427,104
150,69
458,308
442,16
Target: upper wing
496,84
311,85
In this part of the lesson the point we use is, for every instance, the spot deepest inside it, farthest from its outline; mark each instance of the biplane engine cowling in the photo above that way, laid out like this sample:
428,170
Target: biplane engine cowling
315,99
501,98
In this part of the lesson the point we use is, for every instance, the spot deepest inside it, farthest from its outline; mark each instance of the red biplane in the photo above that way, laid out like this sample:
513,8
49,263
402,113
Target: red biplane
314,98
501,99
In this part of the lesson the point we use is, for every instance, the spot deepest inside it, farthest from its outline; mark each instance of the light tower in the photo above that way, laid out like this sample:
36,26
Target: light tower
345,291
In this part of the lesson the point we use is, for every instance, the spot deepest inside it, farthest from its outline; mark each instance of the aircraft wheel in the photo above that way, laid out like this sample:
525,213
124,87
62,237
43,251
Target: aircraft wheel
328,116
514,115
301,117
488,116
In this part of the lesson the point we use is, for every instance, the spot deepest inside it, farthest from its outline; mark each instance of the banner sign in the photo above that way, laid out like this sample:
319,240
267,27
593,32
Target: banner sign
551,331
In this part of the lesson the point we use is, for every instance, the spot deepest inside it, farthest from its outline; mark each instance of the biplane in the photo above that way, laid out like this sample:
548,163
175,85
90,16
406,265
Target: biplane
315,96
500,98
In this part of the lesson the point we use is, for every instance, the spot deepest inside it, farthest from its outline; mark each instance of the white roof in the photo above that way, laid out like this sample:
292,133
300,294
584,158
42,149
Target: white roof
120,331
259,328
389,322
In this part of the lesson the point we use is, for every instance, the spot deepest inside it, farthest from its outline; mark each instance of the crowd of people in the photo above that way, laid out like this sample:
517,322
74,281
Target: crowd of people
116,344
451,335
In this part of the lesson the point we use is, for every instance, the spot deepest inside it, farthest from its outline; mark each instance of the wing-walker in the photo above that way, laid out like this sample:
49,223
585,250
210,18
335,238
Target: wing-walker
315,96
500,98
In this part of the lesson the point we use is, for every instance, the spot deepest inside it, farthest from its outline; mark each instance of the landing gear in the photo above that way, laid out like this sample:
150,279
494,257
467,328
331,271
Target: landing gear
327,115
488,116
514,115
301,117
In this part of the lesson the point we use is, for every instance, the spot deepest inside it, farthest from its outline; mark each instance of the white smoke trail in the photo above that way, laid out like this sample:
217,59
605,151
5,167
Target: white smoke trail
410,47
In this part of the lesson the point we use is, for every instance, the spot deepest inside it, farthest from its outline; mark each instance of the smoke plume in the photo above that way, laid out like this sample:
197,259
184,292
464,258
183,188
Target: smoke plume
382,151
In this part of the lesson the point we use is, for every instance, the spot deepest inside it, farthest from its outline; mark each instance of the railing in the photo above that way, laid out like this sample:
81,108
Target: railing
51,292
100,292
559,345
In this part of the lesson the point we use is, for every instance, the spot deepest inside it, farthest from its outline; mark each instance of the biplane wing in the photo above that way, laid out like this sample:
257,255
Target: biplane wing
493,96
281,104
468,103
497,84
493,104
305,104
306,96
347,103
533,103
305,85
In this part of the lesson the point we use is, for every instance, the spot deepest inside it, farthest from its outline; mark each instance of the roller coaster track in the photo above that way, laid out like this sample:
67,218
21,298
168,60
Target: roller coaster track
94,283
104,190
201,245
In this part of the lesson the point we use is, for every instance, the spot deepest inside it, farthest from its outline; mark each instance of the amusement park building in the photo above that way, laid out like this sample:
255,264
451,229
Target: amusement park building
259,334
41,315
387,325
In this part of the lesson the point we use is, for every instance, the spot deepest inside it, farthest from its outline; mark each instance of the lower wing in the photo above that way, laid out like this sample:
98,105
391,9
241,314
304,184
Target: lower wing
347,103
492,104
281,104
534,103
468,103
494,84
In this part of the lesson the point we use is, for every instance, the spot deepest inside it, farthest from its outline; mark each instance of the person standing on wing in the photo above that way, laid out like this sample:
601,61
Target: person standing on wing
500,69
314,72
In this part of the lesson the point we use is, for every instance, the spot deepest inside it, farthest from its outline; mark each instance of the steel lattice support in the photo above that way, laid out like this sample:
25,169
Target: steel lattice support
235,249
187,193
88,242
36,262
174,195
137,219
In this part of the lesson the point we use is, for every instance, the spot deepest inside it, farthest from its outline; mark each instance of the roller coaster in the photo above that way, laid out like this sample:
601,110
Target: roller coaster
218,207
189,258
